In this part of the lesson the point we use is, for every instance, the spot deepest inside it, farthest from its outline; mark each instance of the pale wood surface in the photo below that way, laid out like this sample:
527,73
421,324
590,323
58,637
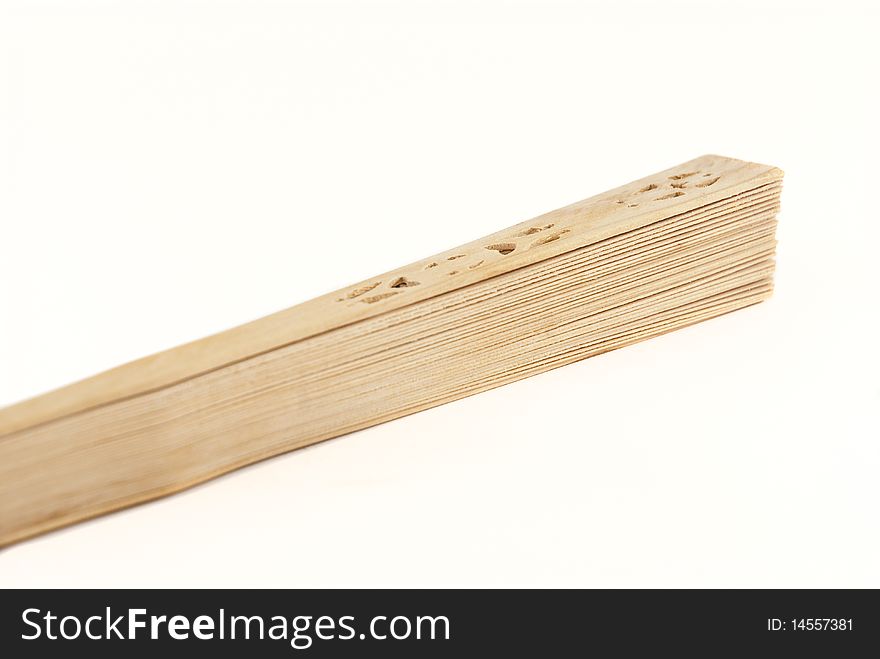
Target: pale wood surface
617,211
606,272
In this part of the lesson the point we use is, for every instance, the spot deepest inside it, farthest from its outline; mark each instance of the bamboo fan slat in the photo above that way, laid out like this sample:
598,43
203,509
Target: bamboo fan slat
681,246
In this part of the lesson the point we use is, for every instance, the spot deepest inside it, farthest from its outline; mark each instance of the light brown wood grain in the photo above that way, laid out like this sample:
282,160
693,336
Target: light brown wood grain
687,244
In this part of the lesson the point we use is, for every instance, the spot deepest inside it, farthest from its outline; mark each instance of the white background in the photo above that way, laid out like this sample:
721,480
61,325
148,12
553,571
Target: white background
170,169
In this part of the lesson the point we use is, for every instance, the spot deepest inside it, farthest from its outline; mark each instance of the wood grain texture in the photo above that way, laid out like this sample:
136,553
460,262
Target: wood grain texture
666,251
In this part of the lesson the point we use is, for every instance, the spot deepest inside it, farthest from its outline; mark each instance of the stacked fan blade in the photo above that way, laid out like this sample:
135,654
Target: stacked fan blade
592,291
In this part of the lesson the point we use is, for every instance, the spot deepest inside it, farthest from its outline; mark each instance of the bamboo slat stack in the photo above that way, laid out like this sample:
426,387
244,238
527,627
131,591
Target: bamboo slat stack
675,248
